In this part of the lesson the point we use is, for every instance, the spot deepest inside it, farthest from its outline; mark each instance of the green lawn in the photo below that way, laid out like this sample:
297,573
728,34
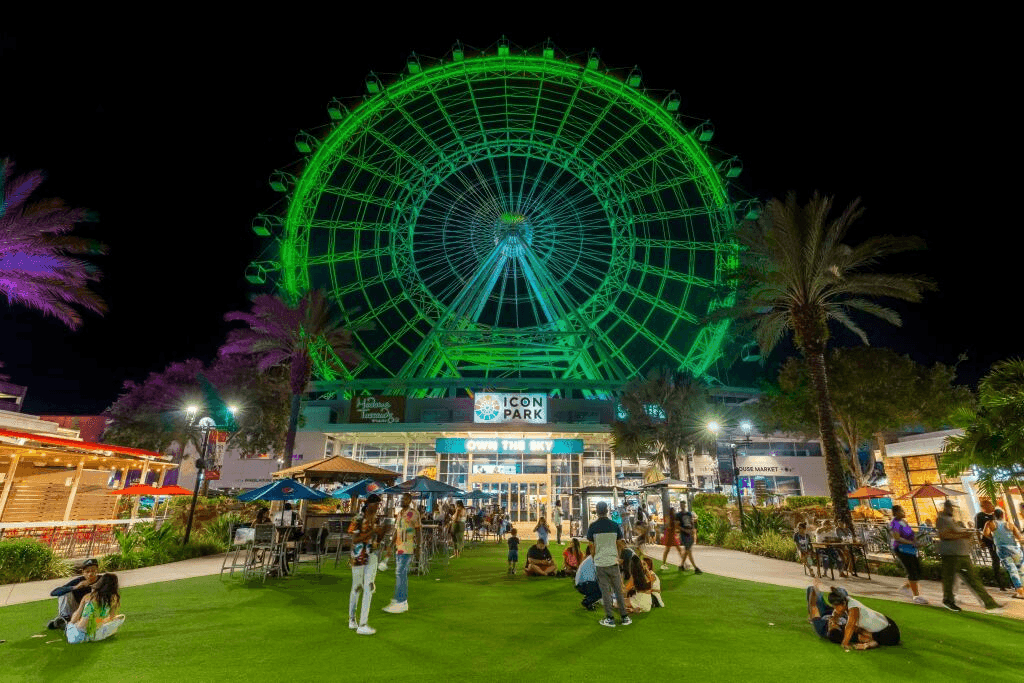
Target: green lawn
472,622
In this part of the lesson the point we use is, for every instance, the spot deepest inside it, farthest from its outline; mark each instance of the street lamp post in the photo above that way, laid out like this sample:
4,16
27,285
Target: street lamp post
714,428
205,425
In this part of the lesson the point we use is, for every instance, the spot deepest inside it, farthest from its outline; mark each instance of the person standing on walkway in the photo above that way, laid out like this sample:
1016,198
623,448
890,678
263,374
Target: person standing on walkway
543,530
1005,535
955,548
670,540
606,536
556,519
407,543
688,535
982,519
365,534
904,547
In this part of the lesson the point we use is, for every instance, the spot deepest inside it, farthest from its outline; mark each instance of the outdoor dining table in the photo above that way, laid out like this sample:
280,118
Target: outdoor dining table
822,550
285,535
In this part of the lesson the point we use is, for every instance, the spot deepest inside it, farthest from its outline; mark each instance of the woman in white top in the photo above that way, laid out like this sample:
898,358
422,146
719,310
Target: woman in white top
1006,536
868,627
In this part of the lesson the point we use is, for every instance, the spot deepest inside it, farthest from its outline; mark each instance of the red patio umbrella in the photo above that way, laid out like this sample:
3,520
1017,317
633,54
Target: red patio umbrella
136,490
869,492
932,491
172,491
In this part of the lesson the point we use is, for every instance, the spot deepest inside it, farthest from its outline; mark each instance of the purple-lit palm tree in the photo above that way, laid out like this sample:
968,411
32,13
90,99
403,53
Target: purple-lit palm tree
291,336
37,264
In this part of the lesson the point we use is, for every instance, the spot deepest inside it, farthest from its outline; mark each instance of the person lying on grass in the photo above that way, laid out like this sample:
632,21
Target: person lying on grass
539,561
96,609
865,628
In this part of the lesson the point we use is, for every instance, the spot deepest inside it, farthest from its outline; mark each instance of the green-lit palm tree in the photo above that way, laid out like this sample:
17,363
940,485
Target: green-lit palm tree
663,417
37,264
993,440
291,336
797,275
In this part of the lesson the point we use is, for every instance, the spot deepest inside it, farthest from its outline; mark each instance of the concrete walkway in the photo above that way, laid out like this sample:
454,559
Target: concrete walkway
737,565
730,563
16,593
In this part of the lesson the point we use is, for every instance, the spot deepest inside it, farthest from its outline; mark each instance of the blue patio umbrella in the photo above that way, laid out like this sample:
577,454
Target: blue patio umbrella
360,489
283,489
422,484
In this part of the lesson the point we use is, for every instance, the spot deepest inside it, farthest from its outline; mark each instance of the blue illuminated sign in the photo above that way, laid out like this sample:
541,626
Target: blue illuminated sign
500,445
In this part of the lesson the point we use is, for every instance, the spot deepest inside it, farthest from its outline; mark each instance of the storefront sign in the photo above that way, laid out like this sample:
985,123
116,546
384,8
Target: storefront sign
510,408
376,409
765,469
495,469
497,445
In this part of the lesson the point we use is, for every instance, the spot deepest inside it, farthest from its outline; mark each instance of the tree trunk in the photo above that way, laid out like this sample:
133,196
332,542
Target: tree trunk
293,426
829,443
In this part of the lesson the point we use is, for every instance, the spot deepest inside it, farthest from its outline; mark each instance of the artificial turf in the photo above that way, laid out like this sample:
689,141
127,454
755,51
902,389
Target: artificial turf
470,621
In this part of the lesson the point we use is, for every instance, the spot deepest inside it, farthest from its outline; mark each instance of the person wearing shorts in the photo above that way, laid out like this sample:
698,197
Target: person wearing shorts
513,550
688,534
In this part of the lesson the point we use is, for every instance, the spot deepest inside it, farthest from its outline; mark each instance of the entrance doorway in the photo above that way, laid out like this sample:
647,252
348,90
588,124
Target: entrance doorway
524,496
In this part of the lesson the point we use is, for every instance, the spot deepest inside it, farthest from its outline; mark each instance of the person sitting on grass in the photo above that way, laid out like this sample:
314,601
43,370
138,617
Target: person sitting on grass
865,628
71,594
571,558
97,609
586,580
638,585
538,560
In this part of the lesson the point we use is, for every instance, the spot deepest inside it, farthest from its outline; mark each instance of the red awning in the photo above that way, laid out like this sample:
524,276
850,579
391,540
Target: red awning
137,490
81,445
172,491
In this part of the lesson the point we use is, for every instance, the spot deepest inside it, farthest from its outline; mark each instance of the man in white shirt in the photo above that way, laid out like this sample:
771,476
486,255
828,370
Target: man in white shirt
285,517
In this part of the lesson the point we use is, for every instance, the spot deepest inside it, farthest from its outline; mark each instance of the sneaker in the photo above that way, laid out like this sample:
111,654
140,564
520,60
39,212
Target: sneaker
665,568
951,606
60,623
383,566
919,600
697,571
397,607
626,621
366,630
997,609
352,624
906,592
610,623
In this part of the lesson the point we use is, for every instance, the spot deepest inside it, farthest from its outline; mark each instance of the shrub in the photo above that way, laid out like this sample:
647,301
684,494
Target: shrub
710,500
795,502
26,559
763,520
711,528
216,530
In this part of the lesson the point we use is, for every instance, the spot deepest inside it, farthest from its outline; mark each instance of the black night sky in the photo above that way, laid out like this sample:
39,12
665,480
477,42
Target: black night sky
170,135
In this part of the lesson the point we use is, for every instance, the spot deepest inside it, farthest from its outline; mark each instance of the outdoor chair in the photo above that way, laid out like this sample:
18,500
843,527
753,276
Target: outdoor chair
240,539
335,535
310,543
264,554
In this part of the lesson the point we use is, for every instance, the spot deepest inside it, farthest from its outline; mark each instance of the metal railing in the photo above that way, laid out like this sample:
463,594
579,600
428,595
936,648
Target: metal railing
74,538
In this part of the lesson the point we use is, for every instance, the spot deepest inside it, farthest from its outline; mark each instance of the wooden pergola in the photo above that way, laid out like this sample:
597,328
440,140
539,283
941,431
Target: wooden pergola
52,479
335,469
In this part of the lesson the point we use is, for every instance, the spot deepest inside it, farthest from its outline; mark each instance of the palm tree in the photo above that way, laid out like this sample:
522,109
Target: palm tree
796,274
291,336
662,417
37,268
993,440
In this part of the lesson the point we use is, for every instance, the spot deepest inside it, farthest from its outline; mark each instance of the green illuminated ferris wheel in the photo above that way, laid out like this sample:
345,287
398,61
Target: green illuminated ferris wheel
511,213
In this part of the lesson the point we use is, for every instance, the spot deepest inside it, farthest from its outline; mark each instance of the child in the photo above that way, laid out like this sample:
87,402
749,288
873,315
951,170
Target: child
513,551
803,545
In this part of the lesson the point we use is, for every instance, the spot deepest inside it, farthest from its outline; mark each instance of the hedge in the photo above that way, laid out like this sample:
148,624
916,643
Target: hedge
25,559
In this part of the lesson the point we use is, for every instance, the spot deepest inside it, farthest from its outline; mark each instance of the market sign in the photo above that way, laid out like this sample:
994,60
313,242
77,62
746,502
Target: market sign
495,445
376,409
510,408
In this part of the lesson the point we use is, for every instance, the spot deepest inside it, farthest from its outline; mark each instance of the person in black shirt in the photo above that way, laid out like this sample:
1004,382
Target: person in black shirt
70,594
539,561
980,520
